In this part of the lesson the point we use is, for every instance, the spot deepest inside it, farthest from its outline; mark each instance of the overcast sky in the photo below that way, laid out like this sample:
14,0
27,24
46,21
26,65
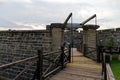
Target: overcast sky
34,14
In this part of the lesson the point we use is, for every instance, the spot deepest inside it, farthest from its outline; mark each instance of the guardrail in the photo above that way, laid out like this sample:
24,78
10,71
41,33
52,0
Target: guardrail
109,72
106,49
104,56
90,52
61,58
106,69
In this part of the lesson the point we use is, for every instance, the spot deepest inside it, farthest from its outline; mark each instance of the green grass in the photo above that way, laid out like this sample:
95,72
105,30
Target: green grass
115,65
1,78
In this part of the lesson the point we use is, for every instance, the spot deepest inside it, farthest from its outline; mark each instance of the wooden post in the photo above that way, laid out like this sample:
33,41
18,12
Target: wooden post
105,73
84,50
62,57
40,65
102,63
106,60
104,67
119,54
98,54
69,56
39,69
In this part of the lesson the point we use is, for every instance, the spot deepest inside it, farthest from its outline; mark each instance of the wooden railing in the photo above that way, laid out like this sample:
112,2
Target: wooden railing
61,58
106,49
104,56
16,62
109,72
106,69
90,52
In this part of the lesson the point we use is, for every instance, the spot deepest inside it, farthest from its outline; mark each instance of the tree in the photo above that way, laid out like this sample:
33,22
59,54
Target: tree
110,42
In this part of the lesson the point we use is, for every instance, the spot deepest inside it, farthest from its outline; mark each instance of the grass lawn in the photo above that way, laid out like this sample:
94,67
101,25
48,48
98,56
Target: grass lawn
115,65
1,79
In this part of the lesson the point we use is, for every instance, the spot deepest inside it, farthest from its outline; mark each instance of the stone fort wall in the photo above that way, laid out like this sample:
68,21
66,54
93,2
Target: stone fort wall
103,37
17,45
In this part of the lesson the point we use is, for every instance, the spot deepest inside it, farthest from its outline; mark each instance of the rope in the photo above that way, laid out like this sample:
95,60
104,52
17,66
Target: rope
72,36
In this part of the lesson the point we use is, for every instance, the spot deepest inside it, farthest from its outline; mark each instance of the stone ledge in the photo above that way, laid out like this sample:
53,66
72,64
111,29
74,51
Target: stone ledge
56,25
90,26
17,31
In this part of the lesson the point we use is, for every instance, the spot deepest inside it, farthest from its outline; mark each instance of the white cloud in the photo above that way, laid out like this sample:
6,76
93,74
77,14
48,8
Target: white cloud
34,26
2,1
75,1
15,28
23,1
50,11
19,1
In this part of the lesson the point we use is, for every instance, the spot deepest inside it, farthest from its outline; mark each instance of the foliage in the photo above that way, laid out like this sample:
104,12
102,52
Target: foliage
115,65
110,42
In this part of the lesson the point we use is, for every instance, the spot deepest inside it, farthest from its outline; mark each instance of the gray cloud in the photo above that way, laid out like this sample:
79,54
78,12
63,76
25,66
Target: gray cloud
46,11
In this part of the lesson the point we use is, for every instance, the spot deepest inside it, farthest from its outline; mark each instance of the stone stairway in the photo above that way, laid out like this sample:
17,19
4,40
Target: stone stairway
81,68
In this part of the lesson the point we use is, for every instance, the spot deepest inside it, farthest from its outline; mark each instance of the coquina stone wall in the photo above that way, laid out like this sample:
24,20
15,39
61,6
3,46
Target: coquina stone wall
103,37
20,44
17,45
74,37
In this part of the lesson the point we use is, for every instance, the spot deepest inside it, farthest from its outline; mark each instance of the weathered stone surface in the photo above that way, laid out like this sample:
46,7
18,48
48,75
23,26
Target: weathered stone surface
90,26
57,32
89,40
17,45
20,44
103,37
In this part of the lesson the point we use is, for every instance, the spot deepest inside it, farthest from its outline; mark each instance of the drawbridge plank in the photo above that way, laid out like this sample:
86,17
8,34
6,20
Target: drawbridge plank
82,68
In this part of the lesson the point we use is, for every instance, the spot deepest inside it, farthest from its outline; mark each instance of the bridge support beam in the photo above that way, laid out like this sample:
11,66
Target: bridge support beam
89,41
